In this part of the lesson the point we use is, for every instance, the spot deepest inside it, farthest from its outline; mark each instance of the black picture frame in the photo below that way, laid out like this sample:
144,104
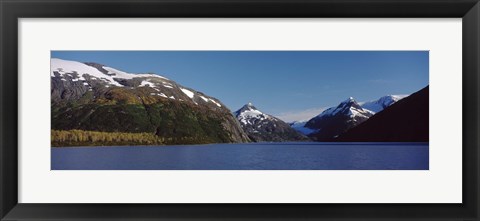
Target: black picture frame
12,10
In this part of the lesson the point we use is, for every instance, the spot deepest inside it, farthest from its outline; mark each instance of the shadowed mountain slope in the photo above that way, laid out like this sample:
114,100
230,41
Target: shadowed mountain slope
405,121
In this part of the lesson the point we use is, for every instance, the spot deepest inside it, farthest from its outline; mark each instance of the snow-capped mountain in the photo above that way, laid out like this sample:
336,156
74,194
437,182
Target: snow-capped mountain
263,127
348,107
336,120
380,104
367,109
249,114
95,97
92,76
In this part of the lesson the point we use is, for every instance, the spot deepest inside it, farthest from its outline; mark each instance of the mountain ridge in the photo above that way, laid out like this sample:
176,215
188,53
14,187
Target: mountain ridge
381,103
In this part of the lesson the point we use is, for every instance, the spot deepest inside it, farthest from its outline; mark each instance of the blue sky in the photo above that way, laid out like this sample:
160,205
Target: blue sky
290,84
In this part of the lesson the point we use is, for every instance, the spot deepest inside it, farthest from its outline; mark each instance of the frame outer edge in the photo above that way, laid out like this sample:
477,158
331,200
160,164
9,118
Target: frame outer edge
471,107
3,208
2,203
477,105
9,114
9,109
476,174
477,211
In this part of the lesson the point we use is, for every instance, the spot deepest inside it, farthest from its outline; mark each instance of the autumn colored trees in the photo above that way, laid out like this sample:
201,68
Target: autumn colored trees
65,138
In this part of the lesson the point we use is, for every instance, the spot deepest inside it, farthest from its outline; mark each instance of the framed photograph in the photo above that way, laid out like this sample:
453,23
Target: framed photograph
230,110
103,118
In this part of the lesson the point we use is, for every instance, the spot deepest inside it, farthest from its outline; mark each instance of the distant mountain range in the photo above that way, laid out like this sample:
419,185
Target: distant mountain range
407,120
93,104
348,114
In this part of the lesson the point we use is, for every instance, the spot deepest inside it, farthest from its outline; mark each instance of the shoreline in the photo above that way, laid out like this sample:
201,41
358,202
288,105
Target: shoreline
257,143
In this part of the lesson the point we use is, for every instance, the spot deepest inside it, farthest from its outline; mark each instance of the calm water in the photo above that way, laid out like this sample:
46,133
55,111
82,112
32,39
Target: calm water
264,156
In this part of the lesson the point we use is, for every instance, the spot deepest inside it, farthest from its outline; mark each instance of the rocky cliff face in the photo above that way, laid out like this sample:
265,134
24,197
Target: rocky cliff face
94,97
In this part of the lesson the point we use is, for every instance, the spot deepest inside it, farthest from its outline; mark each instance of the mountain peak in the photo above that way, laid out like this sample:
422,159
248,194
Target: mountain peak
349,103
247,107
349,100
347,107
248,112
263,127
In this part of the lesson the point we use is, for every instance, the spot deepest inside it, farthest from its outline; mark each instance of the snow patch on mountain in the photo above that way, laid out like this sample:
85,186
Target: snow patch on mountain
70,68
124,75
97,76
204,98
64,67
187,92
215,102
248,114
147,83
381,103
119,74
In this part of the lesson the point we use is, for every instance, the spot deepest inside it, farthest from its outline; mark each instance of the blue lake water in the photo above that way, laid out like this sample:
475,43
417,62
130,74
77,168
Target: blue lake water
254,156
